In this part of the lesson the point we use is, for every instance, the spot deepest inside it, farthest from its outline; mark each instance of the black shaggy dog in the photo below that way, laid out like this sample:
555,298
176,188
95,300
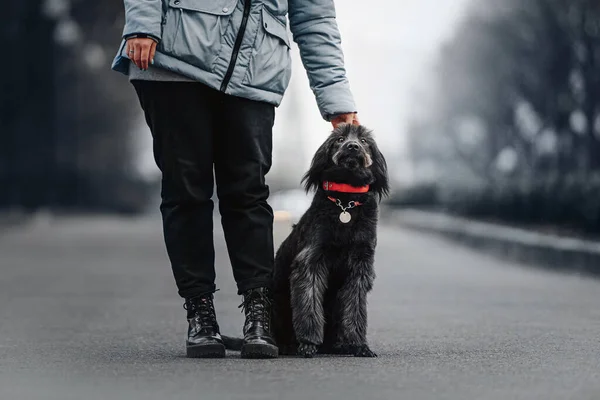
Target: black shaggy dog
324,269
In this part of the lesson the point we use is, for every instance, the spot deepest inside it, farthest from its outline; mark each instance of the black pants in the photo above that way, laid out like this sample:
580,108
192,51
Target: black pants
194,129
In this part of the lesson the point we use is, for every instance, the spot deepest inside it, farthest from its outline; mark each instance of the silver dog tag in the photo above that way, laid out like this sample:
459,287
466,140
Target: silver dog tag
345,217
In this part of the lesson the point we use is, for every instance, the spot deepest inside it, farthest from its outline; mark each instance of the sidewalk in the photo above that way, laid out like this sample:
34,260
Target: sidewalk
563,254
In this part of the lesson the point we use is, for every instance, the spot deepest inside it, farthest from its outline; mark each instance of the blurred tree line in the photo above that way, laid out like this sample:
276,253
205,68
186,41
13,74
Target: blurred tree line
65,118
511,127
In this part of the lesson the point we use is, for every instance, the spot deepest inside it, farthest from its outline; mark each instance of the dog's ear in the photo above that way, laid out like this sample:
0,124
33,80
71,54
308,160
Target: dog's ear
320,162
381,184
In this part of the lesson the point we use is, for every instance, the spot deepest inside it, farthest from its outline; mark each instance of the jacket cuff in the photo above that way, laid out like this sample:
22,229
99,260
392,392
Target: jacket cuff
334,100
141,36
331,117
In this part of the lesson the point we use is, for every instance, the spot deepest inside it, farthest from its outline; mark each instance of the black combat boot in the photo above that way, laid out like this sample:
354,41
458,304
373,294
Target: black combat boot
258,342
204,339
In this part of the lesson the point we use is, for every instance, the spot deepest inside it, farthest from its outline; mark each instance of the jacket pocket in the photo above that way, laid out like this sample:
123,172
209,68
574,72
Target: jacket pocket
270,65
194,29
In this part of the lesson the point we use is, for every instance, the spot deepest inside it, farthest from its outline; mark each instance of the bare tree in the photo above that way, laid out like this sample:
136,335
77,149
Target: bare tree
517,105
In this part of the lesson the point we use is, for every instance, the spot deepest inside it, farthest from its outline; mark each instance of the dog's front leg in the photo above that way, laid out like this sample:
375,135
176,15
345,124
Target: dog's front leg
353,308
308,281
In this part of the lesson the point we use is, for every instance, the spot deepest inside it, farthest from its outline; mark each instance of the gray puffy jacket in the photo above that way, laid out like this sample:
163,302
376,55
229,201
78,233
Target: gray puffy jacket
242,48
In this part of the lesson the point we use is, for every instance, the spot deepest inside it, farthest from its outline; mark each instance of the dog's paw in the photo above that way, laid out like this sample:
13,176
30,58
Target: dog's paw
364,351
307,350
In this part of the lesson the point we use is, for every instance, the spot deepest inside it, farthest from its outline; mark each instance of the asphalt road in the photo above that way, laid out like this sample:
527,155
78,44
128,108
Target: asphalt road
89,310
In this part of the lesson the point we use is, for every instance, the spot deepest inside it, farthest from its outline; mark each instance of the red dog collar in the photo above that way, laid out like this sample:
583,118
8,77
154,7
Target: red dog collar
344,187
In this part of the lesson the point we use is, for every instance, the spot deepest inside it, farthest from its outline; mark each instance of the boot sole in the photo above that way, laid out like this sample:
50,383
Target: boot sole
256,351
206,351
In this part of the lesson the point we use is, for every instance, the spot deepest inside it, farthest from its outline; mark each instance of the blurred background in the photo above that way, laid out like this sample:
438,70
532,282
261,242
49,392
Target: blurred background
508,126
483,108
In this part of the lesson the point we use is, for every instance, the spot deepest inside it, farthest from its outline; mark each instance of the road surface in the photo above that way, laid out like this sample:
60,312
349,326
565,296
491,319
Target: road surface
89,310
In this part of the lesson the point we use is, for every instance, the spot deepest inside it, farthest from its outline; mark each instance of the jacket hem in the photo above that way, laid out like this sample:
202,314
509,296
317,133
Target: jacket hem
121,64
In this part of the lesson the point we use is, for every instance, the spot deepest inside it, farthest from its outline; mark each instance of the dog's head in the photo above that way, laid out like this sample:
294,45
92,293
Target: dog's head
349,155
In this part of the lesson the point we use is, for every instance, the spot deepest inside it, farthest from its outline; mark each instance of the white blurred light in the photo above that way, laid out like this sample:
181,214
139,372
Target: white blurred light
471,131
507,160
527,120
56,9
577,84
578,122
547,142
94,56
67,33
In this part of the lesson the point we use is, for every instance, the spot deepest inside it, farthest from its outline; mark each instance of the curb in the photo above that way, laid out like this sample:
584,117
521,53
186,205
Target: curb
563,254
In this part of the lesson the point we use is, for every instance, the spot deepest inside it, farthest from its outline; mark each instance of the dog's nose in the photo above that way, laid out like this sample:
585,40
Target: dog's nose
353,146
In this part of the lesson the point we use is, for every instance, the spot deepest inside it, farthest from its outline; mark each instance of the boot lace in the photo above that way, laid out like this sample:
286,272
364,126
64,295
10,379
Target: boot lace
203,310
257,307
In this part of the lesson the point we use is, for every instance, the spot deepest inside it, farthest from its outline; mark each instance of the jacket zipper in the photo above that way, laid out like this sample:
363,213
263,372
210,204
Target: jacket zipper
236,47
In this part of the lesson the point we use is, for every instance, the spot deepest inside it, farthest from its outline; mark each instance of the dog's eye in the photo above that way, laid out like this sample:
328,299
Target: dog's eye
363,141
341,139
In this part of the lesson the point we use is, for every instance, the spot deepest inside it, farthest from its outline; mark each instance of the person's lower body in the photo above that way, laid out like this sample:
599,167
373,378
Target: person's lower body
194,129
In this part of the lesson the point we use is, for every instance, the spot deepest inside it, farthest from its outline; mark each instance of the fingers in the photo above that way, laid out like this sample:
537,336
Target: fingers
130,49
137,53
152,52
339,120
351,118
145,56
141,52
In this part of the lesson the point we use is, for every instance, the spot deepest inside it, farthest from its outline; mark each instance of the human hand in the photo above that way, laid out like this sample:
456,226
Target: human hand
141,51
350,118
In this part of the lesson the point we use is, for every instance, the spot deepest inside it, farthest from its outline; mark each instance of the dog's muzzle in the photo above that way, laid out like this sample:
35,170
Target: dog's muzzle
352,147
352,155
